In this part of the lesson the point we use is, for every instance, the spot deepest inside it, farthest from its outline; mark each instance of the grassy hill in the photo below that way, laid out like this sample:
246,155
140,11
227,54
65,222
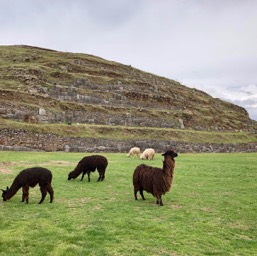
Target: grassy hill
50,87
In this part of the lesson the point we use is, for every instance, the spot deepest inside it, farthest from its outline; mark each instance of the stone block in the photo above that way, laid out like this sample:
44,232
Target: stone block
42,111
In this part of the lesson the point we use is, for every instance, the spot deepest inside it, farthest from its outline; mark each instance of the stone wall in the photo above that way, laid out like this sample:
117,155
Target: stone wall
21,140
41,115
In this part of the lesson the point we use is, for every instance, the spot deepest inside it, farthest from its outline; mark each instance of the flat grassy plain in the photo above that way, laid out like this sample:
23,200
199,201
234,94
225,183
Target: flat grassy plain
210,210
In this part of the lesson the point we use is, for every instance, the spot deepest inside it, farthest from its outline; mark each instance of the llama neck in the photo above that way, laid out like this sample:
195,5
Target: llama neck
169,165
12,190
77,172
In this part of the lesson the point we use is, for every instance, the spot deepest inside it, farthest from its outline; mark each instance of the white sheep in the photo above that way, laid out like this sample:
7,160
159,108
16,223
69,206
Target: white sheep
148,154
135,151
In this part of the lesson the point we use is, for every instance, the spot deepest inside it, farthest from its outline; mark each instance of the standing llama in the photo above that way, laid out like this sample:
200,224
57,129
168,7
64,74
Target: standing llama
89,164
30,178
154,180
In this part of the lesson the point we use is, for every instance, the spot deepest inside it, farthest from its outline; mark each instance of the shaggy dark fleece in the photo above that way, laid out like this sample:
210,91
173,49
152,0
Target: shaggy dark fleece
156,181
89,164
30,178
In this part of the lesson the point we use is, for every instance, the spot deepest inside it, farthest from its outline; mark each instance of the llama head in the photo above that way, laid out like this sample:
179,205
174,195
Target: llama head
170,153
142,157
4,193
69,176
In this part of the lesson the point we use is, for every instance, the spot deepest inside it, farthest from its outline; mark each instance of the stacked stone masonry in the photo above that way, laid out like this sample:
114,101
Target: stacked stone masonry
21,140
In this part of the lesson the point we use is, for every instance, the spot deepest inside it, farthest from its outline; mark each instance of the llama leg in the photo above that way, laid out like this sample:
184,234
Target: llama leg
135,194
25,194
100,176
100,171
161,203
88,176
51,192
83,174
159,200
43,193
141,193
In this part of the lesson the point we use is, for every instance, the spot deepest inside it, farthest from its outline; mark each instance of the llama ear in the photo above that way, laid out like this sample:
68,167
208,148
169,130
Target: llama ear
171,153
7,188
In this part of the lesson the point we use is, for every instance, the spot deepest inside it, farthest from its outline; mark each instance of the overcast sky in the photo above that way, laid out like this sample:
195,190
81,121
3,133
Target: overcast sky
210,45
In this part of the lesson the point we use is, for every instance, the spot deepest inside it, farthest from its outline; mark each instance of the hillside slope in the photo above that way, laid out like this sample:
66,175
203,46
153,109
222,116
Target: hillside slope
45,86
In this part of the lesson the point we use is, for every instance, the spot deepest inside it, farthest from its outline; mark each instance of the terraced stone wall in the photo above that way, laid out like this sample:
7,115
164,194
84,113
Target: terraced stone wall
21,140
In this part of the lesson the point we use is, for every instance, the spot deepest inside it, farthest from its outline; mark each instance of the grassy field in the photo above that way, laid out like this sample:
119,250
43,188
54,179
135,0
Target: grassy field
210,210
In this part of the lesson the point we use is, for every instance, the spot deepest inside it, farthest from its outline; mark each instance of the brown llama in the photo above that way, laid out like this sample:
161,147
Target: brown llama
30,178
89,164
154,180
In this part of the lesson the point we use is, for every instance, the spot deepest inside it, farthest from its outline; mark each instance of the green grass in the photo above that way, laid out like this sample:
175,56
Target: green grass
210,210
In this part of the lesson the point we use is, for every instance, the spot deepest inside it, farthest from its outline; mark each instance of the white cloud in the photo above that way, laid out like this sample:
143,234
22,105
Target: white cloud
245,96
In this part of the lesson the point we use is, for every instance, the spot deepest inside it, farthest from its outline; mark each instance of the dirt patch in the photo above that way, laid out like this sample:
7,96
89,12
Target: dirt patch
4,167
3,170
59,163
53,162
